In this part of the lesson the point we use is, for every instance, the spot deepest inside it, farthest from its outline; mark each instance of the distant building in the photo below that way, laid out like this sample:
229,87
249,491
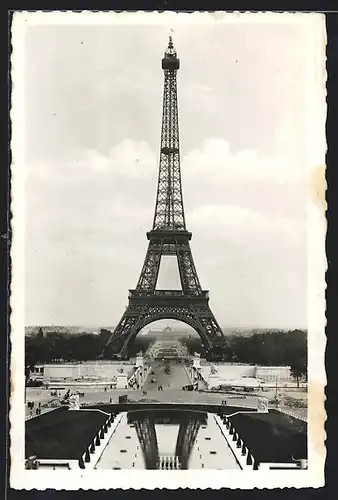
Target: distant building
167,349
169,332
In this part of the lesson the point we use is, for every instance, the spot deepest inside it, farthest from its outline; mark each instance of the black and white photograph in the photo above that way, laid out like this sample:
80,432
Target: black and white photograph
168,282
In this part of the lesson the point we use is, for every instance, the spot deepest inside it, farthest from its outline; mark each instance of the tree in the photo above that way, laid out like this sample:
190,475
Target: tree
104,336
298,370
40,332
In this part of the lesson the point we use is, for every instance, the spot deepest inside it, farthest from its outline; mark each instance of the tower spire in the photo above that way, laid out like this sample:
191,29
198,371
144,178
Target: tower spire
169,212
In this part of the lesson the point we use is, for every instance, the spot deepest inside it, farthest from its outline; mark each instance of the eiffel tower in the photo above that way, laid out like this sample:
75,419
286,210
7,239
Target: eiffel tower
169,236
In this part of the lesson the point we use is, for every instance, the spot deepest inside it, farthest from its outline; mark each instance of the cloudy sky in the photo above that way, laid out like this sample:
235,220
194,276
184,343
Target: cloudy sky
93,101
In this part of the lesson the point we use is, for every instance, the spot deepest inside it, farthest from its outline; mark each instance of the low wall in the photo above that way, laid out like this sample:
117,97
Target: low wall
270,373
226,372
91,370
235,371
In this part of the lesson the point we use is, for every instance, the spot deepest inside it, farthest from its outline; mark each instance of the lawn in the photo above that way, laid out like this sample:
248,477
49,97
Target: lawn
272,437
62,433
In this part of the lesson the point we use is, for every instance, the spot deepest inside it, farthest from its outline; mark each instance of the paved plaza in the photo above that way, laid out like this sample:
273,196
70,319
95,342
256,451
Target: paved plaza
171,391
175,380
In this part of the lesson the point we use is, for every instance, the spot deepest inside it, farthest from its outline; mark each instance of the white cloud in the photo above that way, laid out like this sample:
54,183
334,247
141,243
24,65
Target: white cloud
129,158
217,161
229,215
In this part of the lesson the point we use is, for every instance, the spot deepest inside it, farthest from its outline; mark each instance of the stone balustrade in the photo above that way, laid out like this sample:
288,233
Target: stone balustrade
138,378
241,452
92,454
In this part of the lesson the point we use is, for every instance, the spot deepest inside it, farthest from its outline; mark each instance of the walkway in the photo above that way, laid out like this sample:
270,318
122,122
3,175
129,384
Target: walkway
211,449
123,450
175,380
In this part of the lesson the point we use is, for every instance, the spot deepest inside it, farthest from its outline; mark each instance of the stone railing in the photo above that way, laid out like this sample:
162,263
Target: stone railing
139,376
241,452
43,410
190,371
292,413
92,454
195,374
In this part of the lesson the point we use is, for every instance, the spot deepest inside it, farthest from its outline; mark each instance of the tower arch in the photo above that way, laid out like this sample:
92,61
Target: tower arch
170,316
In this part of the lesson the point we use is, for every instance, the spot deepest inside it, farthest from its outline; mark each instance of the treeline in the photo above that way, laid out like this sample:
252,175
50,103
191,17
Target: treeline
287,348
56,346
275,348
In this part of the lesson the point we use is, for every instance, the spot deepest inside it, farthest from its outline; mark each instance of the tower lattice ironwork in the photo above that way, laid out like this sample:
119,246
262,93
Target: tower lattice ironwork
186,438
169,236
146,433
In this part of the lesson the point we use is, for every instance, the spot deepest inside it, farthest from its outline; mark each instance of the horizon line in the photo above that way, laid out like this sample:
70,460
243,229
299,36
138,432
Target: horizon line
243,327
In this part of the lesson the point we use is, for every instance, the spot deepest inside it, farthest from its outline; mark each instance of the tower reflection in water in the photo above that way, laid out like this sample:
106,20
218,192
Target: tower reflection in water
148,424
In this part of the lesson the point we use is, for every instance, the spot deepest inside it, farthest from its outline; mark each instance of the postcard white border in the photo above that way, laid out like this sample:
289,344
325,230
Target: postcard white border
215,479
